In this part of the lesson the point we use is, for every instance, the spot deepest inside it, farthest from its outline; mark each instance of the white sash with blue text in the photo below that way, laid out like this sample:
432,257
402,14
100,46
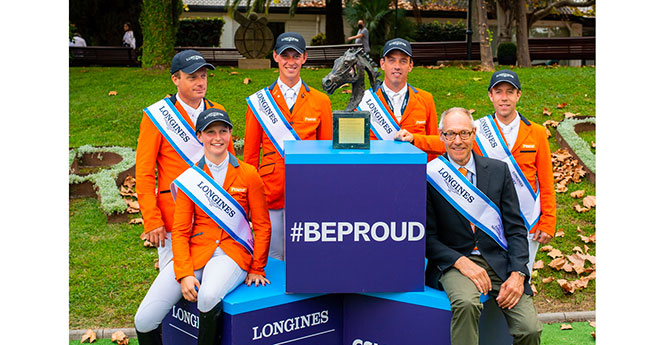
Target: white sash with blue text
472,203
272,120
382,123
176,130
216,203
492,145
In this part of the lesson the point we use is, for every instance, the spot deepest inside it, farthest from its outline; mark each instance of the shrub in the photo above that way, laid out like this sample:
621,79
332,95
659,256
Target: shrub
506,53
199,32
437,32
319,39
159,21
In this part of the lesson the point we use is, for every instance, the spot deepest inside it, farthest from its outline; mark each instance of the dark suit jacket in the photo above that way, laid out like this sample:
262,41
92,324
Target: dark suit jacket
449,235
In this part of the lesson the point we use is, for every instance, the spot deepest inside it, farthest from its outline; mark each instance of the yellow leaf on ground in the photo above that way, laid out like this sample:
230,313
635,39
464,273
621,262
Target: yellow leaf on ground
88,337
577,194
559,233
565,326
233,73
548,279
246,81
112,93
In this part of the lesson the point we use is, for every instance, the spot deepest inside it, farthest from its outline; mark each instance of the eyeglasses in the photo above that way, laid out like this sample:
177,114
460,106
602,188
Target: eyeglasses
451,135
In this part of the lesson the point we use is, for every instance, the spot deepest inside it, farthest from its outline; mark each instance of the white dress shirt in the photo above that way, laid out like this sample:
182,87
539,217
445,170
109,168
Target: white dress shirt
192,112
218,172
290,93
396,99
510,131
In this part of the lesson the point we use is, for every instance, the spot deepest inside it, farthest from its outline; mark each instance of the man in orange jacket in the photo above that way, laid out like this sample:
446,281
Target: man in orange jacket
304,110
411,108
528,144
157,161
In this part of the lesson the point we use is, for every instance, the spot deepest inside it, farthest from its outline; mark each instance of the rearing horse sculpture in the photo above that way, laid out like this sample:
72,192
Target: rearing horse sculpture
350,68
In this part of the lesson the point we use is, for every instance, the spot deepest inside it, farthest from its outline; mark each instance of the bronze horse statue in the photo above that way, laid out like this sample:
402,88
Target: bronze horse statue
350,68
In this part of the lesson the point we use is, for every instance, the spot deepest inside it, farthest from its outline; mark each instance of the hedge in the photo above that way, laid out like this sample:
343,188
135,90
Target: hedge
198,32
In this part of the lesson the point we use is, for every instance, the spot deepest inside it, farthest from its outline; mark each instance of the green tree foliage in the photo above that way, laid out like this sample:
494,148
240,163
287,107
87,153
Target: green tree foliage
160,21
199,32
380,19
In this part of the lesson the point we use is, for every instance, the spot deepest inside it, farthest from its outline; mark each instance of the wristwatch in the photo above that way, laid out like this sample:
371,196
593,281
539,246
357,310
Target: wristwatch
522,274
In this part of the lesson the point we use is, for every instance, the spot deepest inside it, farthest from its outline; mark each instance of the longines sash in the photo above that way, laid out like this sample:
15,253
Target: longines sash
466,198
492,145
216,203
176,130
272,120
382,123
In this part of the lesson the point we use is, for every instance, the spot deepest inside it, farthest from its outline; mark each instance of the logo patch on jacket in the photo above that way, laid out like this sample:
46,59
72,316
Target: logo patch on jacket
237,190
422,122
310,119
528,146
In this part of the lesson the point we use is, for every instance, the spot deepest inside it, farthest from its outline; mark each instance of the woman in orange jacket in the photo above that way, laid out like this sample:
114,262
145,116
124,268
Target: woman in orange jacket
208,261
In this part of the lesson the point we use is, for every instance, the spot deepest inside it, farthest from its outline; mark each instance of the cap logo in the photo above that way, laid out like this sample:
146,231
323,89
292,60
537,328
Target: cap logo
289,39
505,75
398,43
215,114
194,57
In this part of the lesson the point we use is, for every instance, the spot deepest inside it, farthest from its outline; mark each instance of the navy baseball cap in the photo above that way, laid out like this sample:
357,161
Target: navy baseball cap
188,61
209,116
397,43
290,40
506,76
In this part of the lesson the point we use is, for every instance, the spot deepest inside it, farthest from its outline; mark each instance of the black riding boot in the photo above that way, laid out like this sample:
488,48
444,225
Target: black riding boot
150,338
210,326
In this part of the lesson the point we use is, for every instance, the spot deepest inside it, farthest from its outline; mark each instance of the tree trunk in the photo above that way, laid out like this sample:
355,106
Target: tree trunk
505,16
159,20
486,52
334,23
522,35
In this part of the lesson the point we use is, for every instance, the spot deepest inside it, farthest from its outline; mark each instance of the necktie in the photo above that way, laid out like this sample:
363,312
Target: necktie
464,172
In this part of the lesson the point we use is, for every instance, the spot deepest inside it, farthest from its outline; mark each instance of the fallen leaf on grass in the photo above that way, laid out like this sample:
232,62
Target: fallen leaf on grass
112,93
546,248
246,81
538,265
548,279
557,263
347,91
568,267
593,144
581,209
548,133
89,337
471,111
568,115
233,73
561,105
565,326
577,194
589,201
593,334
592,324
578,250
136,221
120,338
566,286
555,253
552,123
559,233
589,239
476,78
534,292
578,229
132,204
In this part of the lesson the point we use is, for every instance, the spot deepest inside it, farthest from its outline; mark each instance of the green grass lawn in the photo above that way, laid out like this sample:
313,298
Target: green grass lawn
109,269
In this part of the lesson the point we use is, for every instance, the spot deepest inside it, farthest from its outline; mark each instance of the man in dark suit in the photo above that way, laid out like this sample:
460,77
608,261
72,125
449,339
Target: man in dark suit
466,259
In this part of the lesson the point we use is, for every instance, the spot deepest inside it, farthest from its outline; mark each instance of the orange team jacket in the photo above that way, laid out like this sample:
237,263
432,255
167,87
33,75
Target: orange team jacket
195,236
419,117
155,160
311,119
532,153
